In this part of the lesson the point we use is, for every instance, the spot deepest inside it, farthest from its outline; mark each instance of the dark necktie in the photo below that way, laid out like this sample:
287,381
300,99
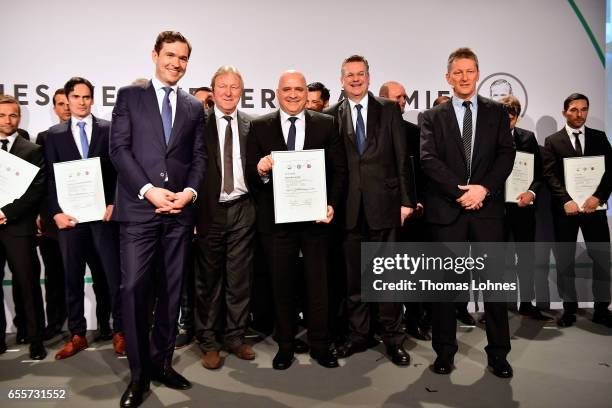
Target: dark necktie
166,114
83,135
291,135
466,136
228,161
578,145
4,144
360,131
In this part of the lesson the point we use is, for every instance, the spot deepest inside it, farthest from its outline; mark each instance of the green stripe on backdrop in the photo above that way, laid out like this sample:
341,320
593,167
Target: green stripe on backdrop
586,27
9,282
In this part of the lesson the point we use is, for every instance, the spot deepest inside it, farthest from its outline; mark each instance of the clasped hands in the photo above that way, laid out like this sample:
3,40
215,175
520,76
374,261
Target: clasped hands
589,206
473,196
167,202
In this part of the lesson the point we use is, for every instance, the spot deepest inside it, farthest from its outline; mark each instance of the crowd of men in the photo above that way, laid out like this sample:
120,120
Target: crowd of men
188,245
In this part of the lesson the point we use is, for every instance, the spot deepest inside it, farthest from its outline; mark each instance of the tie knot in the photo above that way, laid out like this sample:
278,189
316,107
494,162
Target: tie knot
292,119
4,142
577,133
358,106
467,104
167,90
228,118
81,125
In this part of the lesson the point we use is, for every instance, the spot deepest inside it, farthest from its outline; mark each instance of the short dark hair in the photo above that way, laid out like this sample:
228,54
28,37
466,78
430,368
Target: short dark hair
9,99
318,86
59,91
202,88
440,100
574,97
74,81
355,58
512,104
170,37
459,53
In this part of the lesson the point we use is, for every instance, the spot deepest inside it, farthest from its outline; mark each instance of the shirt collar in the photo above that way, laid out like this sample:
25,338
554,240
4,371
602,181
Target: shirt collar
88,120
363,102
220,115
571,130
11,138
157,84
284,116
458,102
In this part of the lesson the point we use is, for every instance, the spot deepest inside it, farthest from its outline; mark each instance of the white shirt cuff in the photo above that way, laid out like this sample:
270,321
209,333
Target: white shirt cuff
144,189
195,193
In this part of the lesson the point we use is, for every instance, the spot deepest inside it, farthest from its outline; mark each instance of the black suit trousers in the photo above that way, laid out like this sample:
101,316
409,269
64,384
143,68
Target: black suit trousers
520,227
55,293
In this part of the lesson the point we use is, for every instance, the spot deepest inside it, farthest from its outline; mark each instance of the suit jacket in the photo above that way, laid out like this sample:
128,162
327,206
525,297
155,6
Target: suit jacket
381,177
558,146
412,134
61,147
211,188
266,135
525,141
48,226
139,152
21,213
444,163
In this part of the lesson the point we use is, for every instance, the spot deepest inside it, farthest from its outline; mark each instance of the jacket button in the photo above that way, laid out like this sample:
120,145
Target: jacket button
161,174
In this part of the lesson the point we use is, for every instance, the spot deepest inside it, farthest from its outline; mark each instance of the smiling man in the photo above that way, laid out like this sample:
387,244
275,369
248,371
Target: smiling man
157,146
293,127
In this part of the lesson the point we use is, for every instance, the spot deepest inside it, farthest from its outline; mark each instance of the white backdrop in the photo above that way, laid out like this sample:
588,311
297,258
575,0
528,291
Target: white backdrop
541,43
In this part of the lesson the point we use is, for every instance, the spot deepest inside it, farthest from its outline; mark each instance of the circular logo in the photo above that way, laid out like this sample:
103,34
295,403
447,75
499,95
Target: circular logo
501,84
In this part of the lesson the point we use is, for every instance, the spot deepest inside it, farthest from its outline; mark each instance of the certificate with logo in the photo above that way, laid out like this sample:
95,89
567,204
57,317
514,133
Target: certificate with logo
521,177
298,180
582,177
80,189
16,175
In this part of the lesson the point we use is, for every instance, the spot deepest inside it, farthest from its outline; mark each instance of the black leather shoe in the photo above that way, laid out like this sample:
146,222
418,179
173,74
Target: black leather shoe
500,367
51,331
104,334
20,338
399,355
443,366
604,317
171,379
466,318
349,348
183,339
418,333
325,359
133,395
567,319
37,351
300,346
533,312
282,360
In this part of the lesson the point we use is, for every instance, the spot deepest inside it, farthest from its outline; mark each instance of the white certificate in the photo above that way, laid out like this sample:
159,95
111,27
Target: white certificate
521,177
300,192
16,175
80,189
582,177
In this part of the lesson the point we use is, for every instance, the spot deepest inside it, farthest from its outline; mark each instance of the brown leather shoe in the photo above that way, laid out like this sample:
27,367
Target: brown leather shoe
76,344
119,343
244,352
212,360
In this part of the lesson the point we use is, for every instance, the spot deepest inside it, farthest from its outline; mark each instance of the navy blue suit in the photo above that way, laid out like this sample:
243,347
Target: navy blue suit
78,244
153,244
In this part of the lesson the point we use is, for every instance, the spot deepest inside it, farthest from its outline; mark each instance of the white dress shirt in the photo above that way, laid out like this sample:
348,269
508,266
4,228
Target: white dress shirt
300,128
570,131
76,131
240,187
364,113
11,140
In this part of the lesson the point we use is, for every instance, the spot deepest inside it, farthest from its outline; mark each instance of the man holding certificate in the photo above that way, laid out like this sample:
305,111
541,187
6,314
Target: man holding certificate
23,167
81,194
577,163
285,216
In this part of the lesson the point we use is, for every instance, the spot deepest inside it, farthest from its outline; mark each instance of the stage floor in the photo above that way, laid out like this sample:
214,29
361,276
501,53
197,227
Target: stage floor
552,368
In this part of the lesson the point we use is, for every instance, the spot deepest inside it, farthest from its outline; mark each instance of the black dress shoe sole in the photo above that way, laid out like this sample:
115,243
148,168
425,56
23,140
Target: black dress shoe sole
282,366
500,374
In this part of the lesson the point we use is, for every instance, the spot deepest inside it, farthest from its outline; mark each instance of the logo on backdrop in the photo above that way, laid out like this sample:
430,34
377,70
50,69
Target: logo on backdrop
502,84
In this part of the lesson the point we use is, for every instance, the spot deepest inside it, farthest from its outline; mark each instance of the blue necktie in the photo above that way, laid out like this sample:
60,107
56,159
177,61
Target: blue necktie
360,131
291,135
467,136
84,143
166,114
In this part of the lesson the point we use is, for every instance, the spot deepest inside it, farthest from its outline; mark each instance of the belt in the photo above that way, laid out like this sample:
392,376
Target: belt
227,204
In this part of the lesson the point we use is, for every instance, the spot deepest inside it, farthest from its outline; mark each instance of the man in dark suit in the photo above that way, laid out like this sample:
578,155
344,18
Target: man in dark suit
380,198
225,221
157,146
466,154
84,136
520,216
413,229
17,232
576,140
294,128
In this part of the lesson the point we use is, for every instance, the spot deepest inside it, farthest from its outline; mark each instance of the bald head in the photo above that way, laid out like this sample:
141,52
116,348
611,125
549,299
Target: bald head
394,91
292,92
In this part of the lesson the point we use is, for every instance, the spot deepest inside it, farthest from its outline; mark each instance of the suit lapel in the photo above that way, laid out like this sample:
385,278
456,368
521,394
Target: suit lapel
179,118
374,109
280,139
344,112
70,143
152,112
243,131
567,144
213,135
308,130
95,137
455,133
17,146
481,124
